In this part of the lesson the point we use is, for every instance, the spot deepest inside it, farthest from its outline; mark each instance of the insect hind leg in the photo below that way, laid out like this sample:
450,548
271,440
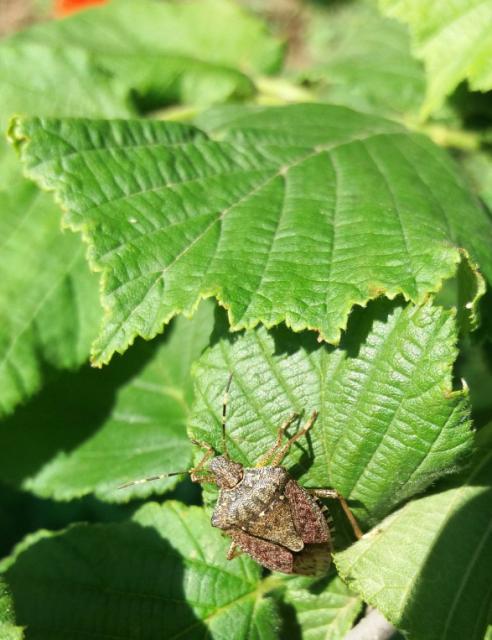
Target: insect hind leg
333,493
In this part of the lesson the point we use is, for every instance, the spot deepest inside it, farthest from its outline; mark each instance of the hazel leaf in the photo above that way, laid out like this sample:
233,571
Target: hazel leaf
389,420
48,299
122,424
441,589
324,609
289,214
164,574
454,39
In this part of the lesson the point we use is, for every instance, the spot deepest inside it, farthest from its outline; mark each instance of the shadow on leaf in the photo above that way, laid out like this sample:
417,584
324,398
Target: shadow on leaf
67,412
115,581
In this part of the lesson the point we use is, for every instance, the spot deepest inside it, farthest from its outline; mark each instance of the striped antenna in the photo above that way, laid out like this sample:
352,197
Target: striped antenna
224,411
152,478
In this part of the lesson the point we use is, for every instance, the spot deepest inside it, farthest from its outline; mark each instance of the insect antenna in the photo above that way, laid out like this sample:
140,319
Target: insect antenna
224,411
152,478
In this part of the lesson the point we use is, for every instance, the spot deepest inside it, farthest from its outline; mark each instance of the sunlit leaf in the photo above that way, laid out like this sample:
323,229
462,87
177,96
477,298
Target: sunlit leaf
288,214
454,39
427,566
389,422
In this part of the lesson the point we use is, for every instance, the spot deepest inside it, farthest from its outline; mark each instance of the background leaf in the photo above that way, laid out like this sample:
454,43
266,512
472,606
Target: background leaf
7,623
454,39
381,211
122,424
442,588
389,422
324,609
49,299
162,574
361,59
166,52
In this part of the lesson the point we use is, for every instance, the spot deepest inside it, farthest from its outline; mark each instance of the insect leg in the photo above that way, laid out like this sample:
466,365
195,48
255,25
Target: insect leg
280,455
263,461
333,493
234,551
199,469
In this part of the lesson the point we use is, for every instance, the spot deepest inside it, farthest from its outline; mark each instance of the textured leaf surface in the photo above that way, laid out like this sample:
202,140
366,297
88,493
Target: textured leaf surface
389,422
324,610
165,51
363,60
48,298
293,213
454,39
162,575
121,424
427,566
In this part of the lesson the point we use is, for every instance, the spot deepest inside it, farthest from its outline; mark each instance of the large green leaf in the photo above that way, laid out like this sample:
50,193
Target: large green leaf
324,610
389,422
454,39
427,566
360,59
288,214
91,431
162,575
194,52
48,299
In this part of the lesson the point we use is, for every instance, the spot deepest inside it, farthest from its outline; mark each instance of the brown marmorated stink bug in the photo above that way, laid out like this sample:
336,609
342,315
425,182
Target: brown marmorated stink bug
268,515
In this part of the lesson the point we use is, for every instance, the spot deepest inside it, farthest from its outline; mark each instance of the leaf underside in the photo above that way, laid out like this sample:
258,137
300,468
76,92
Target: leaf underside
288,214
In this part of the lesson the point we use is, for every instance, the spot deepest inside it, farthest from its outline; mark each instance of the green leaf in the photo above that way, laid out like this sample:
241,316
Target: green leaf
324,609
389,422
162,575
360,59
427,566
121,424
348,205
454,39
8,630
49,299
479,168
43,80
194,52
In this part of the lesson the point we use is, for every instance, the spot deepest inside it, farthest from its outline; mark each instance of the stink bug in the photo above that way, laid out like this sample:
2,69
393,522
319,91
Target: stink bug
267,513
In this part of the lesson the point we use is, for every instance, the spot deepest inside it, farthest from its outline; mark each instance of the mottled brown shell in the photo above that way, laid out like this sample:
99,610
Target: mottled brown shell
273,519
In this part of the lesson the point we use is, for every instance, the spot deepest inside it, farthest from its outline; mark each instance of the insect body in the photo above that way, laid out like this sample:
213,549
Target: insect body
267,513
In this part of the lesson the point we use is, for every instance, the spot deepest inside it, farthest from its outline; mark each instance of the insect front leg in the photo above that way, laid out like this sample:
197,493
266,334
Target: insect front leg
265,458
281,453
198,473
